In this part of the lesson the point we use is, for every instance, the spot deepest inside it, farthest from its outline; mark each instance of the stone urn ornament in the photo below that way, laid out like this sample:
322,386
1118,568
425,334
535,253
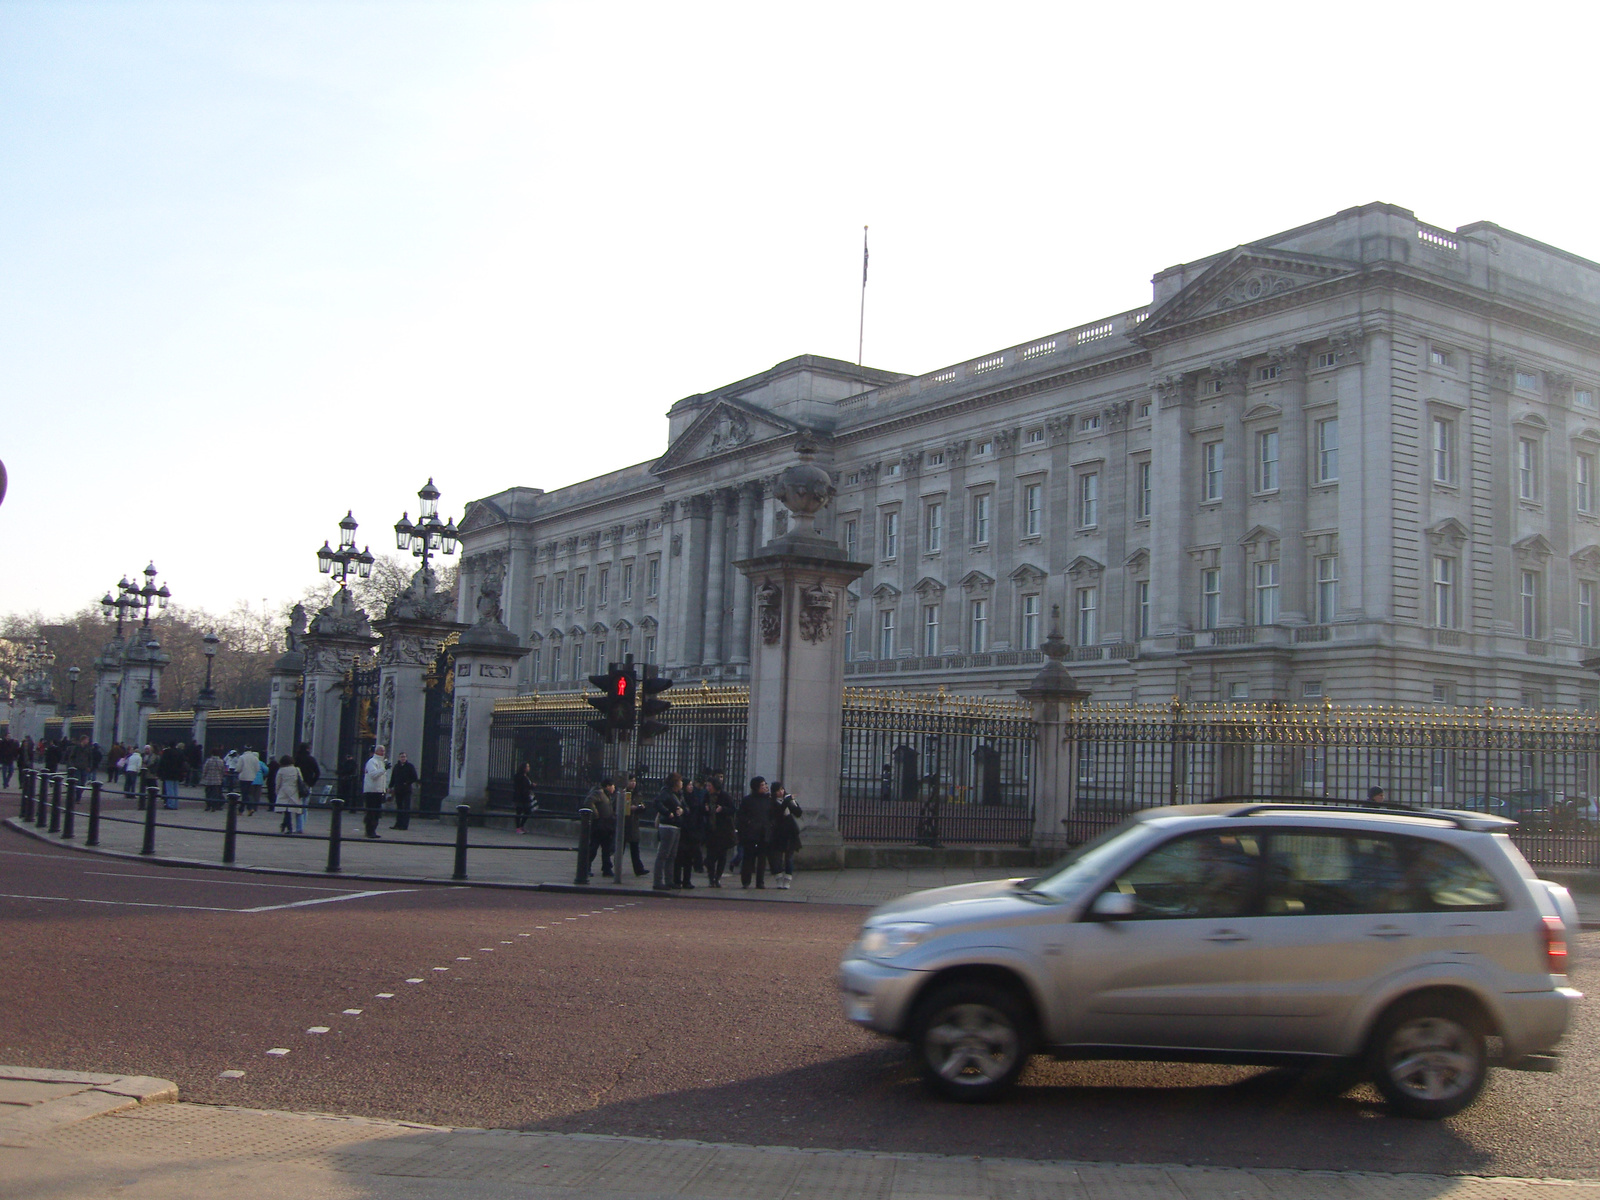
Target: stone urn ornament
805,488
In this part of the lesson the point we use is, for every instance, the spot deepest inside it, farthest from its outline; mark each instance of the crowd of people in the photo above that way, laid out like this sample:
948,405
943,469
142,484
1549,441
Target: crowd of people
702,829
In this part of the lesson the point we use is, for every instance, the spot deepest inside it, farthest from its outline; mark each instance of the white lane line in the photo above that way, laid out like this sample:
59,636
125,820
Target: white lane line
413,981
441,968
231,1075
278,1051
292,887
318,1029
352,1012
324,900
384,996
123,903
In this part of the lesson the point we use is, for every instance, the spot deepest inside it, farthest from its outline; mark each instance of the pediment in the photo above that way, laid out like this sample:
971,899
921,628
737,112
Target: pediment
599,629
576,631
535,636
727,427
886,591
647,622
1588,558
928,586
481,514
974,581
1243,277
1533,546
624,626
1448,532
1262,412
1259,533
1138,560
1026,573
1084,565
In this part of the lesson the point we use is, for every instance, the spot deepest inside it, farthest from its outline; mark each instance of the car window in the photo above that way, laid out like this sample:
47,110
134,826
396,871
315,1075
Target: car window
1446,879
1332,874
1210,874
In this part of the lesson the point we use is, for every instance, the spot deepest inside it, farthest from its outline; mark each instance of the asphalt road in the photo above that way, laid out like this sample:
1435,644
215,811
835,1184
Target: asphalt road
647,1017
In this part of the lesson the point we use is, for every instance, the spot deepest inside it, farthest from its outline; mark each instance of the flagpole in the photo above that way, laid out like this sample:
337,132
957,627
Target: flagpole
861,332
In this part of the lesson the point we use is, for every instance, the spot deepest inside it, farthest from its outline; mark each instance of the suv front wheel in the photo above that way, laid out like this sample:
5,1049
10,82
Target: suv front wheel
971,1040
1428,1057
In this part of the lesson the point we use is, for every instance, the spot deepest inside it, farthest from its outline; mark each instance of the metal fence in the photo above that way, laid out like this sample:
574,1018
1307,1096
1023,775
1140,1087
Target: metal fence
936,769
706,732
1540,768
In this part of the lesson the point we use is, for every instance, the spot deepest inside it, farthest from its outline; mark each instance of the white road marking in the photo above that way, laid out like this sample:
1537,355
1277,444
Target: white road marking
413,981
231,1075
324,900
293,887
352,1012
123,903
384,996
441,968
277,1051
318,1029
463,958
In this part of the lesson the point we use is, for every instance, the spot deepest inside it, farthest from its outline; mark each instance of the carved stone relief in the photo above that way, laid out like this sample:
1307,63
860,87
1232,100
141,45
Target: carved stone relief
769,611
816,613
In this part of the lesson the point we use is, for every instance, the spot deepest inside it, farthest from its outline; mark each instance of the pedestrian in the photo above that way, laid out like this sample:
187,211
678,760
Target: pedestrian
84,759
634,807
522,796
785,835
754,823
601,801
170,769
722,835
194,759
401,780
1375,797
270,792
310,770
669,812
247,765
9,747
692,831
374,783
52,756
114,757
287,797
211,780
96,756
130,766
230,771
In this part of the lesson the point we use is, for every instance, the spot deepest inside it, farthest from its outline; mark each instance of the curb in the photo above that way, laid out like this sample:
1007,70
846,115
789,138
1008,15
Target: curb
36,1107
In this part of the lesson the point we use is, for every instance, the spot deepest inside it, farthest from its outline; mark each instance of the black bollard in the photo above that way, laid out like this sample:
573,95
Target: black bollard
92,836
41,802
585,831
68,822
55,804
25,782
463,811
335,826
230,830
149,846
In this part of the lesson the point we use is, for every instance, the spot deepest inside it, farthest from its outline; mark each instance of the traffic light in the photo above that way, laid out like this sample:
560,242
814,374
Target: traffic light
616,702
650,707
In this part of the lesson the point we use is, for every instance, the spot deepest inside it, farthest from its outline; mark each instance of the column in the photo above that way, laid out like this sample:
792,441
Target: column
715,581
1295,471
1174,486
485,668
282,731
744,546
107,691
1238,462
1054,695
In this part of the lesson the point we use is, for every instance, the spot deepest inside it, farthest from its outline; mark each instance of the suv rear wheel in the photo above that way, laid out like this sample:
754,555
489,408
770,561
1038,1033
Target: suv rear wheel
1428,1057
971,1040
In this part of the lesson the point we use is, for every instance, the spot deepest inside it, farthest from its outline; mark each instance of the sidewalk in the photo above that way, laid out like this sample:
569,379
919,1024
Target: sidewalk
159,1150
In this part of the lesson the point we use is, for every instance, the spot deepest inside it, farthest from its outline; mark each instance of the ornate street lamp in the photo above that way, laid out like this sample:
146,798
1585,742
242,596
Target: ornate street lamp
208,697
118,609
72,702
347,558
429,535
132,599
149,695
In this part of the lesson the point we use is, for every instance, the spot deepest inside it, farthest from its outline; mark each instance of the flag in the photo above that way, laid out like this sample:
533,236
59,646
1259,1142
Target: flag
863,256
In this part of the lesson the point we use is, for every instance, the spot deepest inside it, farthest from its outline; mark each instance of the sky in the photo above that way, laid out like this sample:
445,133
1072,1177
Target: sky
261,263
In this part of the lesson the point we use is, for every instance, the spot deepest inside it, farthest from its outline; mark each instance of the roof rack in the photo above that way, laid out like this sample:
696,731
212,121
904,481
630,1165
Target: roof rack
1473,821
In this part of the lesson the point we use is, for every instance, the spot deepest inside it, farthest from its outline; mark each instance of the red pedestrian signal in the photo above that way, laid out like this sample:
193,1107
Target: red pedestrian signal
616,701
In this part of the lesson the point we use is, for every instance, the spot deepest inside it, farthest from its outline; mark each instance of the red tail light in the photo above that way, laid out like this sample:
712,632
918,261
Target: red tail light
1555,945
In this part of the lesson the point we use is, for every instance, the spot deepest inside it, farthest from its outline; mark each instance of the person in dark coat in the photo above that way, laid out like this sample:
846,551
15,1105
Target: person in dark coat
785,835
602,802
349,783
171,769
754,820
633,808
402,780
696,824
669,814
721,837
52,756
272,783
522,795
307,765
8,759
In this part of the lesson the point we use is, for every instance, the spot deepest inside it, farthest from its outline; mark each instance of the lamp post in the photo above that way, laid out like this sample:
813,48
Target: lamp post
207,695
347,558
127,602
429,535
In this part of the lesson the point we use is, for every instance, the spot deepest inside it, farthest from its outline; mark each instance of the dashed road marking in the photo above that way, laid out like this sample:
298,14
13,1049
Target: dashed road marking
413,981
352,1012
384,996
318,1029
278,1051
231,1075
459,958
441,968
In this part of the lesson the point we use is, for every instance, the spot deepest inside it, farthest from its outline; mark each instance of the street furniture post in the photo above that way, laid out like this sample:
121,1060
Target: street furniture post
463,811
335,827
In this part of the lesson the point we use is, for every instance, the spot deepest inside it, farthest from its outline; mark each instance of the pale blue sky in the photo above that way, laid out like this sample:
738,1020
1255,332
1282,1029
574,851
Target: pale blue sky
260,263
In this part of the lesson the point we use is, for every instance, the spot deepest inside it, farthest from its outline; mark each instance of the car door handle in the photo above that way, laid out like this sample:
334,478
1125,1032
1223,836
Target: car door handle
1387,931
1226,935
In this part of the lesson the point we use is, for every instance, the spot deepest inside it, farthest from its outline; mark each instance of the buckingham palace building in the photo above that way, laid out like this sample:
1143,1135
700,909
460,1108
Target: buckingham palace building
1354,460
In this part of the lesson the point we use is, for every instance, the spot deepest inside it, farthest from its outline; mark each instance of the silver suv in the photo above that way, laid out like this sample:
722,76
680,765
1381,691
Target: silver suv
1396,942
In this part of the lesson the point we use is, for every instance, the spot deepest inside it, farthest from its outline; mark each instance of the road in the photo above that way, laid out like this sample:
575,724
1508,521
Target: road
644,1016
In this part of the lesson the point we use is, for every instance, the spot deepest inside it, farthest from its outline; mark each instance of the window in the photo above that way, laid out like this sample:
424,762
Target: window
1443,693
652,578
580,590
1141,493
649,647
1438,357
850,539
561,593
1032,501
849,637
1327,588
886,633
533,664
1035,437
624,648
1527,469
980,520
1328,450
1211,387
1528,381
1444,450
1311,689
627,582
1585,613
1583,397
1444,592
854,478
936,458
933,522
603,589
980,626
600,657
1326,359
1088,424
1210,876
1265,373
1030,622
1210,598
1211,488
1267,593
1267,461
1531,624
1583,482
890,470
1239,691
1144,410
984,447
930,630
891,534
538,599
1141,599
1088,500
1088,608
577,661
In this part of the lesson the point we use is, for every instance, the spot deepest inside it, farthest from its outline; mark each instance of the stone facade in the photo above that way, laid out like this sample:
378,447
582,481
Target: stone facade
1355,459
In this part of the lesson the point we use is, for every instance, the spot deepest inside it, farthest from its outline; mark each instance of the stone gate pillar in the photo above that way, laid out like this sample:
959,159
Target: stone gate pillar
107,693
485,670
339,637
797,591
414,628
143,664
1054,695
283,697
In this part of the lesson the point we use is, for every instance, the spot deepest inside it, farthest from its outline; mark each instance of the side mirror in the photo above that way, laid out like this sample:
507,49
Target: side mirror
1114,904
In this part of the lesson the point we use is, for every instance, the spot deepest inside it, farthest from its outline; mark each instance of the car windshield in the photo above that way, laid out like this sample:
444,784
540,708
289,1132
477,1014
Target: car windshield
1074,872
